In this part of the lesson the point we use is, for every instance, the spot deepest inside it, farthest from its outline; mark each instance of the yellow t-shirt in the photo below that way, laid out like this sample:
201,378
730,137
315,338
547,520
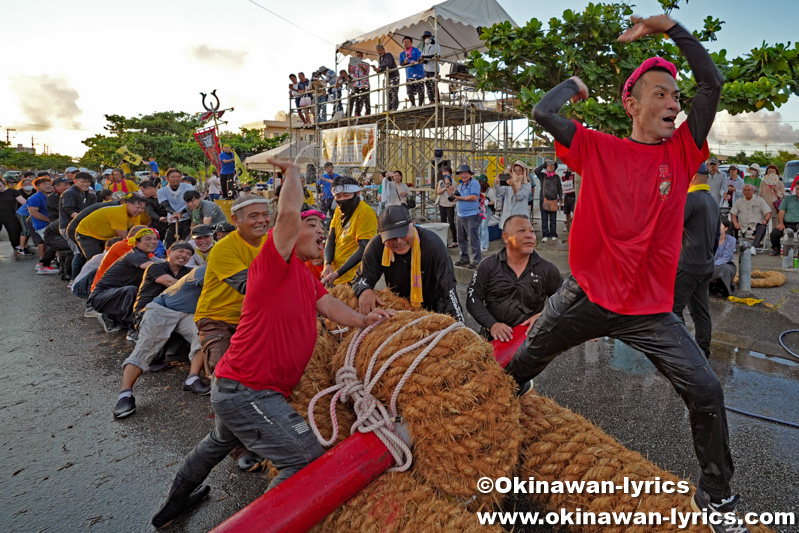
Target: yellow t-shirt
104,223
129,185
218,300
361,226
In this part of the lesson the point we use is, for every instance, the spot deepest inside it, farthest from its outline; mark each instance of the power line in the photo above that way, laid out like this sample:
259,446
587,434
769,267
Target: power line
287,20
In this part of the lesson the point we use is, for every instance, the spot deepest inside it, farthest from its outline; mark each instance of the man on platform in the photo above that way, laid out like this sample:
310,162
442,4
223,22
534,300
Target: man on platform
268,356
227,172
171,199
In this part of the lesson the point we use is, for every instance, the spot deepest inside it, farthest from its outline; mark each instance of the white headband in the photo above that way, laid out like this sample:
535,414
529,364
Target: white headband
346,188
251,201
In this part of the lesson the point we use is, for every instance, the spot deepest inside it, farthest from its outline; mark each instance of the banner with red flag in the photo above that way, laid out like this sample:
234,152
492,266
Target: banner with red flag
210,144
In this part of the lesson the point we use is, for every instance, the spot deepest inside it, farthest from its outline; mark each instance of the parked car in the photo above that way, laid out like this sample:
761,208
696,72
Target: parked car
789,174
16,174
142,175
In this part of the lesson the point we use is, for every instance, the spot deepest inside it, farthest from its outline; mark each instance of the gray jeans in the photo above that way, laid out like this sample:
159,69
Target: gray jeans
264,422
156,326
469,233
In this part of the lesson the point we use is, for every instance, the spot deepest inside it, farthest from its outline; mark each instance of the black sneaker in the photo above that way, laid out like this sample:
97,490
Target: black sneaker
108,323
177,504
473,265
25,251
198,387
701,503
774,252
461,262
125,406
524,389
132,335
250,462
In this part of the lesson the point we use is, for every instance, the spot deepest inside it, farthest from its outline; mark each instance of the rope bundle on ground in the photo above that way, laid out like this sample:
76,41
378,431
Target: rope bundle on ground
560,445
765,279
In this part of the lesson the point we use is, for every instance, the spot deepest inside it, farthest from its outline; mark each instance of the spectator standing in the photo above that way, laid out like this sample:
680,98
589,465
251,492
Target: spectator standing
359,72
753,178
569,196
395,191
430,52
724,270
171,199
510,287
551,196
54,198
343,81
715,178
354,224
10,201
119,183
772,190
214,186
387,64
34,212
697,258
228,172
731,189
296,90
488,201
467,202
153,168
750,213
788,217
319,88
446,207
413,261
514,195
411,58
325,183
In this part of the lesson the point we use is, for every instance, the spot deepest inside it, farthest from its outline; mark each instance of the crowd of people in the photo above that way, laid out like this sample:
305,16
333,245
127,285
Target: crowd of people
325,87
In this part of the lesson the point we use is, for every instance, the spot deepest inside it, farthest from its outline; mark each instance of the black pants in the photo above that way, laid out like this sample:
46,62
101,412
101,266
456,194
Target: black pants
776,234
448,217
227,184
393,94
117,303
693,290
415,88
178,233
431,86
760,232
58,245
570,319
89,246
361,99
11,223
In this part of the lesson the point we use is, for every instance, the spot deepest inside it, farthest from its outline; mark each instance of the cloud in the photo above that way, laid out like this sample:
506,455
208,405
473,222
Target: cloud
757,129
46,100
218,56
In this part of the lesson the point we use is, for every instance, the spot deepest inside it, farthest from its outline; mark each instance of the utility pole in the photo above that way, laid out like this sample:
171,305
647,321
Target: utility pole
8,135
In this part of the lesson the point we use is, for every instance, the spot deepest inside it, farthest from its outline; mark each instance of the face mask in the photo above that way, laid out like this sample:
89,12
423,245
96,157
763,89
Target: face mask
27,188
348,206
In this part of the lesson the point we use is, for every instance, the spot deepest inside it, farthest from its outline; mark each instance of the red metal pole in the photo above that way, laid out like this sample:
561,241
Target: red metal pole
307,497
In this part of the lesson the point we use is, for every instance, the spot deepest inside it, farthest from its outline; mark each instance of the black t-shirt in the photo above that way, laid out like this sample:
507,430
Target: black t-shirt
52,205
125,271
73,201
149,289
8,202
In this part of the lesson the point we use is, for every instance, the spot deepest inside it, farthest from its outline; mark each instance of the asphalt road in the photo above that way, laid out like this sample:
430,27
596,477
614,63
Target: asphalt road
66,465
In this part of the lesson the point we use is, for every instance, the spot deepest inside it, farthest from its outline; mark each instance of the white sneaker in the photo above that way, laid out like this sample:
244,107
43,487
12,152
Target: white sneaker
753,250
545,239
48,270
38,267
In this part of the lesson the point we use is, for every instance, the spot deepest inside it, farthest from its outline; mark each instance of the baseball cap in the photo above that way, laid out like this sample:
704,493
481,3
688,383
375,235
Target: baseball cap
108,172
71,169
60,180
202,230
702,169
225,227
714,160
393,222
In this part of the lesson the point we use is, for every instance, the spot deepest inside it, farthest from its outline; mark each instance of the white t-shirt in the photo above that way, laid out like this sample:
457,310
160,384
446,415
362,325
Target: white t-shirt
214,185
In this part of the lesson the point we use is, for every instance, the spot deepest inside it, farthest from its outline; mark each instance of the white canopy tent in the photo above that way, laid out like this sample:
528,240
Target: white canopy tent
454,24
307,152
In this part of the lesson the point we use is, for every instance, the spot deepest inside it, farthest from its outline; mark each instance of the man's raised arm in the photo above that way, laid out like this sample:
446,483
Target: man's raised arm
287,223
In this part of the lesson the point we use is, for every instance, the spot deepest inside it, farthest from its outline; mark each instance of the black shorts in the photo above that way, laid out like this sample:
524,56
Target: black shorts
568,203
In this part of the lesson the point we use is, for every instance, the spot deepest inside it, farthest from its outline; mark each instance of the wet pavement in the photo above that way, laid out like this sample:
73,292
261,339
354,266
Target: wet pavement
67,465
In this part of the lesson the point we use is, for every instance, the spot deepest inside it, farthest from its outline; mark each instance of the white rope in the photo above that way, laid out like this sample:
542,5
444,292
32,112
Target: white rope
371,414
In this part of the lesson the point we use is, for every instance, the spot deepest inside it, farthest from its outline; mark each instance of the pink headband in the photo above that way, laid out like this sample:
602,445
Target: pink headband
649,64
312,213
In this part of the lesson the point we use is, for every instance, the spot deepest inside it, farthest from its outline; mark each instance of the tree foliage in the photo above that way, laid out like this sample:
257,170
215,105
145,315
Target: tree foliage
530,60
169,137
11,158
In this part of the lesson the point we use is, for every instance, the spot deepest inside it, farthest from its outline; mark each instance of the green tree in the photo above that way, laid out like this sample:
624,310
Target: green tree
11,158
530,60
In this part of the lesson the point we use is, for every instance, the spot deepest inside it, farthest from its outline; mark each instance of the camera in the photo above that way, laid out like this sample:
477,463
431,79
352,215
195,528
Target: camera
452,198
503,179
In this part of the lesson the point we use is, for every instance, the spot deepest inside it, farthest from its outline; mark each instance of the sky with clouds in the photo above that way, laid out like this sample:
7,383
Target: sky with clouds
66,63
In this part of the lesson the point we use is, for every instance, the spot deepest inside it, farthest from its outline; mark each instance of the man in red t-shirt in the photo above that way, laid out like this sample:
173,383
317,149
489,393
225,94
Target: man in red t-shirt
626,236
268,355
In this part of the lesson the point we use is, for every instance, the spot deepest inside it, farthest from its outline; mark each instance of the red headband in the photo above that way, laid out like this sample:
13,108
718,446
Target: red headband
312,213
649,64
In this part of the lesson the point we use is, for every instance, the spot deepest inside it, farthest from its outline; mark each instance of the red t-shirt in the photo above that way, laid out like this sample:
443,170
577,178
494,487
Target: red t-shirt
277,332
625,239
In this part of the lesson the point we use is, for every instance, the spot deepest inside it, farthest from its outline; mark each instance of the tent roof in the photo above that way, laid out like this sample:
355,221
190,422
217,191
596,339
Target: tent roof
457,33
307,151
